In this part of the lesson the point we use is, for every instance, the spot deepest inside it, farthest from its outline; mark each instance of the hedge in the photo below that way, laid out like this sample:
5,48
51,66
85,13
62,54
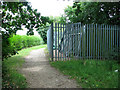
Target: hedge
23,41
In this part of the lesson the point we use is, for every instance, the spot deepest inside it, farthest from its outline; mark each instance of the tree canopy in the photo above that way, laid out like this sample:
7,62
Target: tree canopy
14,16
94,12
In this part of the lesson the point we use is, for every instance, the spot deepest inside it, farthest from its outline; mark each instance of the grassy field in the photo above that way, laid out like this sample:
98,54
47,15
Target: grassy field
90,73
11,77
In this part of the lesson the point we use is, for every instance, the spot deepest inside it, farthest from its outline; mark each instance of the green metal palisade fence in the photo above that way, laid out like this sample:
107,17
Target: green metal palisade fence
82,41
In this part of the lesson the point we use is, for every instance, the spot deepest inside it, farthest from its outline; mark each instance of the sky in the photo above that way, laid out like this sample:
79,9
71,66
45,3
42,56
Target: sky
51,7
47,8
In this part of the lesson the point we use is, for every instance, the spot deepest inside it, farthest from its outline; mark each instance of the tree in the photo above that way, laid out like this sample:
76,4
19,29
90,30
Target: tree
14,16
62,19
94,12
43,32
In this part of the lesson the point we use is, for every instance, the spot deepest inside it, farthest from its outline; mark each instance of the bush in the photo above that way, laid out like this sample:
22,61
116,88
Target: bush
43,32
7,48
24,41
17,42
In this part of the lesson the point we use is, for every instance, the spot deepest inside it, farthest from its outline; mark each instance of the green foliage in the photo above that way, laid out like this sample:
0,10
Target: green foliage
14,16
58,19
92,12
7,48
91,73
43,32
19,42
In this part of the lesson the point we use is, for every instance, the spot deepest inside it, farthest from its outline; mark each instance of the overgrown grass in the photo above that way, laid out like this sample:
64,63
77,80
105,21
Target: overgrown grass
11,77
90,73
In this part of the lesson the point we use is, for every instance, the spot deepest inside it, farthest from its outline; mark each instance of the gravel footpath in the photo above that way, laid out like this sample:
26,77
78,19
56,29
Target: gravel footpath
39,73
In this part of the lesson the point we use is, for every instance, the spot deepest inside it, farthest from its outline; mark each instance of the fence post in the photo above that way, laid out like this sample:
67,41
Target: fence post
58,42
83,41
52,39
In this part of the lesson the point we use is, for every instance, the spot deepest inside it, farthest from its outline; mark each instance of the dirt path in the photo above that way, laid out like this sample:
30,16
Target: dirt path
40,74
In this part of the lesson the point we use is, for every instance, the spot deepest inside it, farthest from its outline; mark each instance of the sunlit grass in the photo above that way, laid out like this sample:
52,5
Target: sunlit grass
25,52
90,73
11,77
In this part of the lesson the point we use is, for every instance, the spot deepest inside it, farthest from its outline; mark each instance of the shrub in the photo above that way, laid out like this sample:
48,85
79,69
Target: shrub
18,42
7,48
43,32
24,41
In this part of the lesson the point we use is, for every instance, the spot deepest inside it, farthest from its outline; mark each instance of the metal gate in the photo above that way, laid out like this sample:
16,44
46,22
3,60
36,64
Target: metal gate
81,41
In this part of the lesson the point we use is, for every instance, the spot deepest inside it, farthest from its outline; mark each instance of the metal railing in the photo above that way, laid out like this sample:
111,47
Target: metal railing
79,41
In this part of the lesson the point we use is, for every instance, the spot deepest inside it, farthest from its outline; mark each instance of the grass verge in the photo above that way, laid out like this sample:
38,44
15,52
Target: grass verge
90,73
11,77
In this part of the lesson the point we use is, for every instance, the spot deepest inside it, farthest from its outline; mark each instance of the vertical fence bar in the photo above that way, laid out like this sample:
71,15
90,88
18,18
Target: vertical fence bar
65,44
83,41
100,40
103,39
58,41
91,30
109,35
52,38
63,41
68,40
113,36
80,39
71,45
77,41
107,38
87,40
96,40
55,41
117,36
65,37
73,39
